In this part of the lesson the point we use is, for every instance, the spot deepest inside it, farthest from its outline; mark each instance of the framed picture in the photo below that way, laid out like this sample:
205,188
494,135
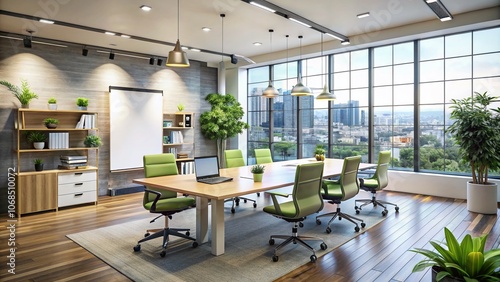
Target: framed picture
167,123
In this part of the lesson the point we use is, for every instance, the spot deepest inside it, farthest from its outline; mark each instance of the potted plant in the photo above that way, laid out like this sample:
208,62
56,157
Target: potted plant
23,94
258,172
476,131
82,103
92,141
37,138
51,122
52,104
38,164
319,152
464,261
180,107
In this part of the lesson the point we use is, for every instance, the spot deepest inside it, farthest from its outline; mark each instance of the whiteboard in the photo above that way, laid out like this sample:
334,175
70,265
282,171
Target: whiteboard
135,124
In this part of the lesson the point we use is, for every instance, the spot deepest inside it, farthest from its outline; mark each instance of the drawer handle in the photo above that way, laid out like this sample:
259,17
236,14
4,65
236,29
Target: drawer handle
78,173
79,194
78,184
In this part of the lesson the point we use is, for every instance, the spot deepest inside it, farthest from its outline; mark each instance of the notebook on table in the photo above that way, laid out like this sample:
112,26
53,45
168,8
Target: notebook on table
207,170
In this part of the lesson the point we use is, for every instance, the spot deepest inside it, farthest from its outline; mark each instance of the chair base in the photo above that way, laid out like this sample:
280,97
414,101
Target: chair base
236,201
165,233
340,215
295,238
375,203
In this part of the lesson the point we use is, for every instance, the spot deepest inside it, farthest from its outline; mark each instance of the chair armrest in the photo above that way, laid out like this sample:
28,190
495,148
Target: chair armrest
275,201
361,182
158,195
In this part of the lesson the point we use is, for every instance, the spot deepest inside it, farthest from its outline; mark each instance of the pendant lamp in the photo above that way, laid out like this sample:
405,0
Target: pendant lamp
177,57
270,91
300,89
325,95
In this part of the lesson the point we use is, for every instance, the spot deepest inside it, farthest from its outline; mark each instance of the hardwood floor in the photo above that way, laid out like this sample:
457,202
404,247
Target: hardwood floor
380,254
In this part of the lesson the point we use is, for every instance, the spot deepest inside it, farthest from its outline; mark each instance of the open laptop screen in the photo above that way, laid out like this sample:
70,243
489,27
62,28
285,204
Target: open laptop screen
206,167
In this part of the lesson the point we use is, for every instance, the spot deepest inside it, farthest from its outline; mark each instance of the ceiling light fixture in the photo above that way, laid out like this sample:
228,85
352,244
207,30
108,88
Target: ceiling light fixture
159,62
299,22
177,57
151,61
345,42
363,15
300,89
28,38
46,21
111,55
262,7
336,37
325,95
206,29
125,36
145,8
195,50
270,91
257,43
439,9
109,33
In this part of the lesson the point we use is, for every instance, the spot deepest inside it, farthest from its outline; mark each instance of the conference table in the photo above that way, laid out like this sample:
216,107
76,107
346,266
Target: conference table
276,175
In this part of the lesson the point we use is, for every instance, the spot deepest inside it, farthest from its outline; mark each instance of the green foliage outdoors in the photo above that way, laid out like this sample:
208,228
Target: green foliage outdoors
23,94
466,260
82,102
92,141
35,136
476,130
50,121
257,169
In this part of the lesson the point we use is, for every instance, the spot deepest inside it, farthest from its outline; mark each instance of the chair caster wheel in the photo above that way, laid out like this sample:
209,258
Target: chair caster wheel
357,211
328,230
356,229
384,212
254,205
147,234
363,225
233,210
163,253
195,244
271,242
137,248
314,258
340,218
275,258
397,209
187,233
323,246
301,224
318,222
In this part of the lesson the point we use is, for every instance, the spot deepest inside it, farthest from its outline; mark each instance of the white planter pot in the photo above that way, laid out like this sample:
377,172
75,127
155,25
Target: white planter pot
38,145
482,198
52,107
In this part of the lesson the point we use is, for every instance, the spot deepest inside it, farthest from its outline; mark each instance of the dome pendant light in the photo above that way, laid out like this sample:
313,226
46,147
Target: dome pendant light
177,57
270,91
325,95
300,89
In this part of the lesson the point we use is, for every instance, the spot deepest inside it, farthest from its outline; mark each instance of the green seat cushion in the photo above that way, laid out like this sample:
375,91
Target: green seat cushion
370,183
287,210
171,204
331,190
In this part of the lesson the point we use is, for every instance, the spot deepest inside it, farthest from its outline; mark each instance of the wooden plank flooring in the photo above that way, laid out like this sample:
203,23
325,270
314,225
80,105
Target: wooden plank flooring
379,254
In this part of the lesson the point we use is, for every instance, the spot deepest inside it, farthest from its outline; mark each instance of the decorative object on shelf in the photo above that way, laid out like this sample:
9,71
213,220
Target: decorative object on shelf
167,123
23,94
51,123
181,124
188,121
464,261
180,107
166,140
38,164
52,104
37,138
258,172
319,152
92,141
475,130
82,103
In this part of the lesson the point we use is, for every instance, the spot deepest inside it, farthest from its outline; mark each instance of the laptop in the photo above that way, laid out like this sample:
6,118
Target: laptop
207,170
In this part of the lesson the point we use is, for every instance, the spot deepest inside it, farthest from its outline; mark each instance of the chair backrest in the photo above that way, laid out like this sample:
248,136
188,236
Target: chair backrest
384,158
234,158
349,178
159,165
263,156
307,189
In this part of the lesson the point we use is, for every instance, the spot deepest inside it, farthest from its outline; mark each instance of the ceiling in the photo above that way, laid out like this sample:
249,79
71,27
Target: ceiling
243,24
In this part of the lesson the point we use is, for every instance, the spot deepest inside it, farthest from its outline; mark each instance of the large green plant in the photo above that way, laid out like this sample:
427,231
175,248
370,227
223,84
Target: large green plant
23,94
223,121
476,130
466,260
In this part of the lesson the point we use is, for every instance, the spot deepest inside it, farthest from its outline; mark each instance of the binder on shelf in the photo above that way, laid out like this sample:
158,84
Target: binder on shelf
87,121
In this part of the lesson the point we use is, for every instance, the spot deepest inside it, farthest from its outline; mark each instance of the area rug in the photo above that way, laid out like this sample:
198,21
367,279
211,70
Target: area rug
248,255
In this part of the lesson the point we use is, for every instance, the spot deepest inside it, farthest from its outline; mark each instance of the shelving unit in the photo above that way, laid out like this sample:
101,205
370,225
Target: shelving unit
178,138
42,190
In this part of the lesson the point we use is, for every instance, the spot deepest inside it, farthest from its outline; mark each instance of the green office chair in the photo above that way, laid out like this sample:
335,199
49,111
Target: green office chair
162,201
263,156
306,200
234,158
377,183
345,188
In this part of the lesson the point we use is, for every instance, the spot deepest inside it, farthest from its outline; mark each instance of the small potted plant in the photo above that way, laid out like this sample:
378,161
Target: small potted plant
37,138
258,172
82,103
38,164
23,94
180,107
319,152
51,122
52,104
465,261
92,141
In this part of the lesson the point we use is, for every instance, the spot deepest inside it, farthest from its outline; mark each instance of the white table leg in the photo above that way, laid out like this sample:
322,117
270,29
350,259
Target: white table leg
217,227
201,220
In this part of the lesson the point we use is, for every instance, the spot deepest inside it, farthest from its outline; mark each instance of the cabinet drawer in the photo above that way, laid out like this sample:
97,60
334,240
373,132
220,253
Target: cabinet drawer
77,198
80,176
76,187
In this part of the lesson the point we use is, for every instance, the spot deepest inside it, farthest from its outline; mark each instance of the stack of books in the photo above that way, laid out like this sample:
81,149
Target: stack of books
182,155
73,162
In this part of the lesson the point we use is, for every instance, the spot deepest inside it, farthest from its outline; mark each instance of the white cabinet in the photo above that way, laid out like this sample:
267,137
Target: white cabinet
76,187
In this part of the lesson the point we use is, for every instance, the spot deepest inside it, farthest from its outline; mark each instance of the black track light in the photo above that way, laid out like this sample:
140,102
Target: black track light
85,52
234,60
111,56
27,42
151,61
159,62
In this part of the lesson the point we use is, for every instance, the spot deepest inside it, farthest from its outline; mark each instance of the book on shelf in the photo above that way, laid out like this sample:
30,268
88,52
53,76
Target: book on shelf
58,140
72,166
74,157
74,161
87,121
